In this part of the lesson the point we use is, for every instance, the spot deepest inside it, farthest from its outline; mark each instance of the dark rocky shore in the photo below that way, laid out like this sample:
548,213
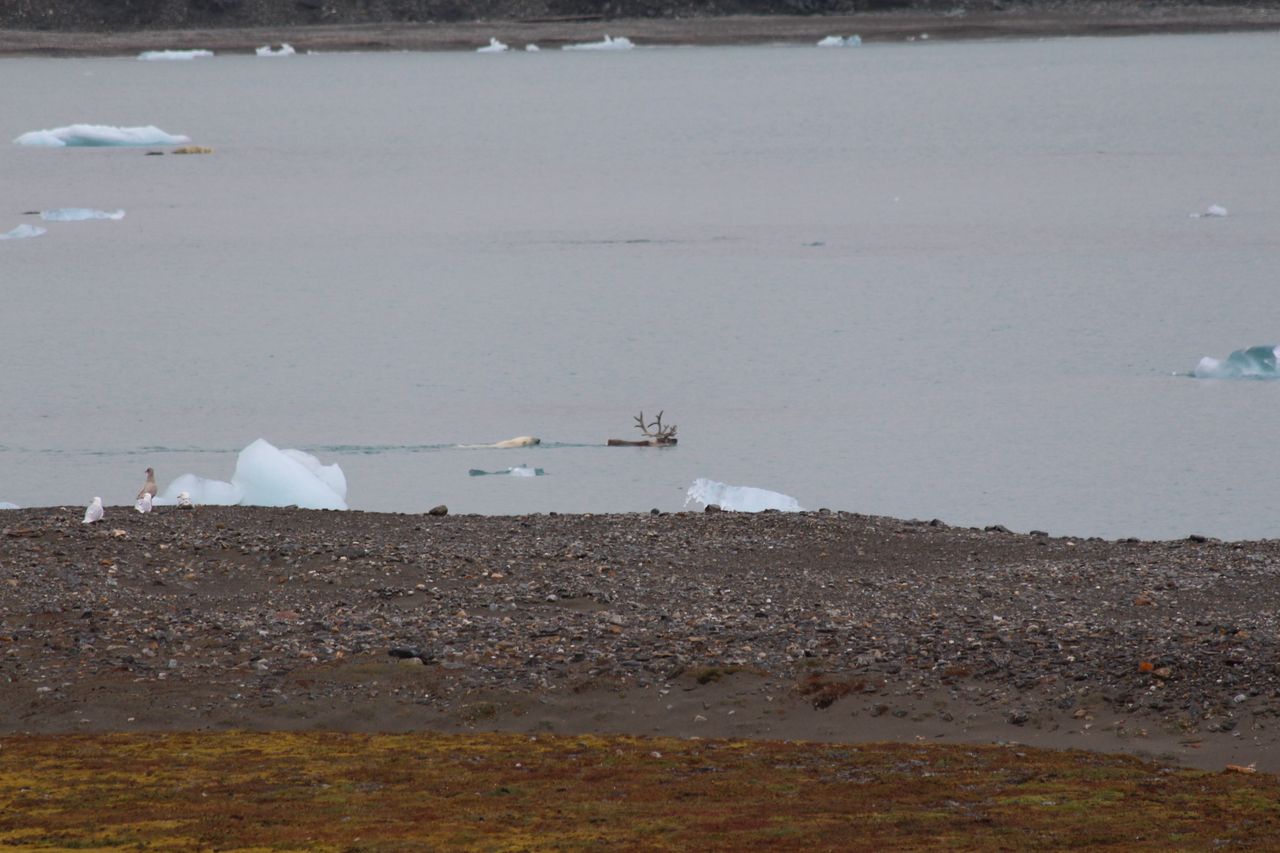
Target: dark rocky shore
815,625
122,27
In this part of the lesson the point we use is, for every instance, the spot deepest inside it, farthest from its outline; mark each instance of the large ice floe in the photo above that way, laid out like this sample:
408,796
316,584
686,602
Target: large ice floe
494,46
620,43
79,214
285,49
837,41
172,55
23,231
99,136
267,476
738,498
1252,363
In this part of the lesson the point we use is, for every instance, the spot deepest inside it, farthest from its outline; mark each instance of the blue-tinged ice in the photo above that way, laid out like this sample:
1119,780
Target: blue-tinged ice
517,471
531,48
268,476
23,231
99,136
179,55
79,214
7,505
620,43
283,50
837,41
739,498
494,46
1252,363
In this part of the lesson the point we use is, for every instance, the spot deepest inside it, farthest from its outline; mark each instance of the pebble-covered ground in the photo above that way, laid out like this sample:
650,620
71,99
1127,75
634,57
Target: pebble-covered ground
812,625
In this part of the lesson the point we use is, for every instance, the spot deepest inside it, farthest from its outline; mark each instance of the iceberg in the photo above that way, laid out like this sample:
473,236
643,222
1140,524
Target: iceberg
739,498
23,231
282,50
1252,363
517,471
620,43
494,46
161,55
99,136
267,476
837,41
78,214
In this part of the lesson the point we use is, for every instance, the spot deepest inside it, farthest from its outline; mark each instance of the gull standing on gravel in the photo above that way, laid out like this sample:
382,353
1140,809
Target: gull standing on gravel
93,512
184,501
144,503
149,487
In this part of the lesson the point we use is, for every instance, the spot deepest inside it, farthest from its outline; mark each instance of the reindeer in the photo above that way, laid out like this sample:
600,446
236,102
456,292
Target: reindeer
655,434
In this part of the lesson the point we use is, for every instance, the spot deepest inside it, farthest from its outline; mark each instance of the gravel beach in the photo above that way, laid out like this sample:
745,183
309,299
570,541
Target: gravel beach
1044,18
822,626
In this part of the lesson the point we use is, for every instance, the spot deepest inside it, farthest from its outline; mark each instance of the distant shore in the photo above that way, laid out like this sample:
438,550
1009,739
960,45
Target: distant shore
1032,21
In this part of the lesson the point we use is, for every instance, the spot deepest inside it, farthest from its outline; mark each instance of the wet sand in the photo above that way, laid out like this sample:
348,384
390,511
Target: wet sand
1027,21
815,626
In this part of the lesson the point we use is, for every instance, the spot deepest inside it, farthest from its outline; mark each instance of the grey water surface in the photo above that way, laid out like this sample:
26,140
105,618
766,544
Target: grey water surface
953,280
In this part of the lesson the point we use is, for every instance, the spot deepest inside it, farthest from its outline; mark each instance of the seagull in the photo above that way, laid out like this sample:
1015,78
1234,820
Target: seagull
184,501
148,488
93,512
144,502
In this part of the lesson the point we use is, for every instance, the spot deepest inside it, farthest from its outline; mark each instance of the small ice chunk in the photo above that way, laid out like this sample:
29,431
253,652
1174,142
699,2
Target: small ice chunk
494,46
23,231
1253,363
271,477
8,505
738,498
838,41
517,471
200,491
1215,210
78,214
532,48
162,55
99,136
269,50
620,43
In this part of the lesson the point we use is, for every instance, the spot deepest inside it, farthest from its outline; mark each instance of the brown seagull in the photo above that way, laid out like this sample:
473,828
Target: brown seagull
150,487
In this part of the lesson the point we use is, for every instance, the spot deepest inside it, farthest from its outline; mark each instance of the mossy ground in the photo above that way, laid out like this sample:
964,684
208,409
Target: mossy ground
499,792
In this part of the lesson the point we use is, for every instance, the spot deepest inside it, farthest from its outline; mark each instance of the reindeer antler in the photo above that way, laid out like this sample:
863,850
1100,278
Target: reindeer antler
661,431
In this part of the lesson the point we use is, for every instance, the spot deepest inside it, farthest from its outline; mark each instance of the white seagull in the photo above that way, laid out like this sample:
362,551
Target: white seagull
144,503
184,501
93,512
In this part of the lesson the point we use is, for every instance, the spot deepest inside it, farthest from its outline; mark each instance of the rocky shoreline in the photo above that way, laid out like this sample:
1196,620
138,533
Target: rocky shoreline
27,28
828,626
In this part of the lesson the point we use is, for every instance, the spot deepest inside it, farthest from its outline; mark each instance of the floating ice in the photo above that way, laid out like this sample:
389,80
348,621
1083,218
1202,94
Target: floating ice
201,491
99,136
532,48
7,505
267,476
517,471
282,50
78,214
23,231
1214,210
620,43
494,46
1252,363
161,55
738,498
837,41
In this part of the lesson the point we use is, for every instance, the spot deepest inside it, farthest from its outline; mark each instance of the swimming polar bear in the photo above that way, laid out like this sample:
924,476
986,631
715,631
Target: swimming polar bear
518,441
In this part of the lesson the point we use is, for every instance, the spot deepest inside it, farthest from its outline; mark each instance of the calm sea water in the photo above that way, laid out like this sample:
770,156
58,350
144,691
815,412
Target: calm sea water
926,280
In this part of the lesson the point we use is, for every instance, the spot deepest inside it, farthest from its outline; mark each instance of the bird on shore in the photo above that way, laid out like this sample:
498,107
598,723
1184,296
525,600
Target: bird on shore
149,487
93,512
144,503
183,501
